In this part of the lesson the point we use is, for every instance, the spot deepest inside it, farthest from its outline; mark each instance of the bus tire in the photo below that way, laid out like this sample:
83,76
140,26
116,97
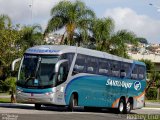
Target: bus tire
37,106
129,106
122,106
73,102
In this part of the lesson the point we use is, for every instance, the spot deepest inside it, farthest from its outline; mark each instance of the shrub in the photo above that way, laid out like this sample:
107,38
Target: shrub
151,94
9,85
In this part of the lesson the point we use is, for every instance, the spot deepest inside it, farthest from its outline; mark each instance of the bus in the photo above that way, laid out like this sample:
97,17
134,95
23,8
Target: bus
73,76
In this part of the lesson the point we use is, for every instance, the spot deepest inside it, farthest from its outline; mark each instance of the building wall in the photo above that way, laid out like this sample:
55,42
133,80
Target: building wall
153,57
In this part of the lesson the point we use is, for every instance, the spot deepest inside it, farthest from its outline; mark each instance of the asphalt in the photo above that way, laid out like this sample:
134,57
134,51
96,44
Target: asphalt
17,111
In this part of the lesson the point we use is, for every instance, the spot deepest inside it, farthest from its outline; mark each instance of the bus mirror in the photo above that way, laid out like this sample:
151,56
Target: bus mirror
14,62
59,63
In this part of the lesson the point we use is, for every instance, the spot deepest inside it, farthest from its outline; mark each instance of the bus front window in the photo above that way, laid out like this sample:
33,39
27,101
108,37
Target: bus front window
37,71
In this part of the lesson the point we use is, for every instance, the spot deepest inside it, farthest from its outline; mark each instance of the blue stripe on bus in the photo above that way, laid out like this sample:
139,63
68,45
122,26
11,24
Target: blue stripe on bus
36,91
67,97
81,85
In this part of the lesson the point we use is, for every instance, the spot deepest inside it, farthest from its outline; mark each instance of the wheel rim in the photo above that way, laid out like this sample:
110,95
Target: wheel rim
121,107
128,106
74,102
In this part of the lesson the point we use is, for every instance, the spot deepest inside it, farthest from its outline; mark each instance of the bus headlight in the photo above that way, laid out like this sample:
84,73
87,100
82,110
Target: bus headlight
49,93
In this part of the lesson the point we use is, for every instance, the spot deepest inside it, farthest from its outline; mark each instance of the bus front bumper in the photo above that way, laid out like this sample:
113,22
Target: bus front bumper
45,98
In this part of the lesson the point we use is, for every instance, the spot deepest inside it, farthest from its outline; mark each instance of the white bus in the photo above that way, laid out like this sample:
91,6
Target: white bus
74,76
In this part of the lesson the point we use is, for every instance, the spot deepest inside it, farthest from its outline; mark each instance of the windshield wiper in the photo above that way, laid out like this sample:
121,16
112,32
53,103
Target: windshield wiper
28,79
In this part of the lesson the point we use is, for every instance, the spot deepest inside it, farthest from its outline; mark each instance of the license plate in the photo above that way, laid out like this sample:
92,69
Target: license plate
31,99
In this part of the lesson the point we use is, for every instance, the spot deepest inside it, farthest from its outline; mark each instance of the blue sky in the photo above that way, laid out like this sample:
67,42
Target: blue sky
134,15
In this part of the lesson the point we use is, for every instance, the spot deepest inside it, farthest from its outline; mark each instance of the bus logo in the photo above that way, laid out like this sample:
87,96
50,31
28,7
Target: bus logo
119,83
137,85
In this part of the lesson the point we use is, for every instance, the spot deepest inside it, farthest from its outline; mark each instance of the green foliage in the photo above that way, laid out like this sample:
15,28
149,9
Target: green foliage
151,94
102,29
30,36
14,41
109,41
9,85
71,16
149,65
8,50
5,100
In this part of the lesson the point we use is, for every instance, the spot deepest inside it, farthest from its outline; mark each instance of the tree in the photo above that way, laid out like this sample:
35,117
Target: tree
102,30
30,36
8,50
153,76
5,22
117,44
71,16
109,41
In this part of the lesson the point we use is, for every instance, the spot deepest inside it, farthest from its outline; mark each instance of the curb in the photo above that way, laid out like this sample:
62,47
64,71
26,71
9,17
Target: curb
14,104
150,108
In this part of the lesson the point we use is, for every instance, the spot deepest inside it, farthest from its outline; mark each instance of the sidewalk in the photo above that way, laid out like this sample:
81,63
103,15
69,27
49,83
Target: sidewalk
152,104
5,96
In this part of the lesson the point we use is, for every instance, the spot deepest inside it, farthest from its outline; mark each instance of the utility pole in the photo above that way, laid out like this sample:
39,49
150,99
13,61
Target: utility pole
31,10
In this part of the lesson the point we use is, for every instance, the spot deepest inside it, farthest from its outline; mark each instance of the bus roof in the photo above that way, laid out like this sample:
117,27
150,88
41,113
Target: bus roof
60,49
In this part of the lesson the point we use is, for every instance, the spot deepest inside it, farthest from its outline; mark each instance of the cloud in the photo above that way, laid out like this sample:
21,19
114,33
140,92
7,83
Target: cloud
21,12
141,25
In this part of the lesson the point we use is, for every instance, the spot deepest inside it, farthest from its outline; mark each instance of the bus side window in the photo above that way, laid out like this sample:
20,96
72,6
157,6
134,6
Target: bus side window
63,73
115,67
141,71
122,73
134,74
103,67
68,56
79,66
91,65
125,69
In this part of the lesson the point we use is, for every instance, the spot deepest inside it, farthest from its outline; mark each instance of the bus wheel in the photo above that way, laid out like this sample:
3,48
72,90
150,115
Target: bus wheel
122,106
73,102
128,107
37,106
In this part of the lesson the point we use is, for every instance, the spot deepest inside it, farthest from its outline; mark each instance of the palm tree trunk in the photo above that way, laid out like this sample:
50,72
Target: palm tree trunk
13,99
62,39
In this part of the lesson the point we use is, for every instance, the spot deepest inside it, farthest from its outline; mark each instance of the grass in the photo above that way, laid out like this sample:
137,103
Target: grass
5,100
3,94
152,100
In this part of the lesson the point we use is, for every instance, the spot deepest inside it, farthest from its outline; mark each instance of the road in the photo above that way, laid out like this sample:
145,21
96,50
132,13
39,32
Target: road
27,112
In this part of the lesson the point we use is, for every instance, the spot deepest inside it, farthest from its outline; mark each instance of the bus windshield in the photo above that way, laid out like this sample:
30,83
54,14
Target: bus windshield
37,71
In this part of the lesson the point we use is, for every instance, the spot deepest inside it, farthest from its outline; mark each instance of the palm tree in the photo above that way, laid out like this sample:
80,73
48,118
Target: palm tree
118,41
109,41
102,30
71,16
31,35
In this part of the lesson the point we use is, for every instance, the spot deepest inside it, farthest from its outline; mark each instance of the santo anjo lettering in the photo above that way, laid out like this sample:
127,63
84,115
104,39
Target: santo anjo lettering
118,83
